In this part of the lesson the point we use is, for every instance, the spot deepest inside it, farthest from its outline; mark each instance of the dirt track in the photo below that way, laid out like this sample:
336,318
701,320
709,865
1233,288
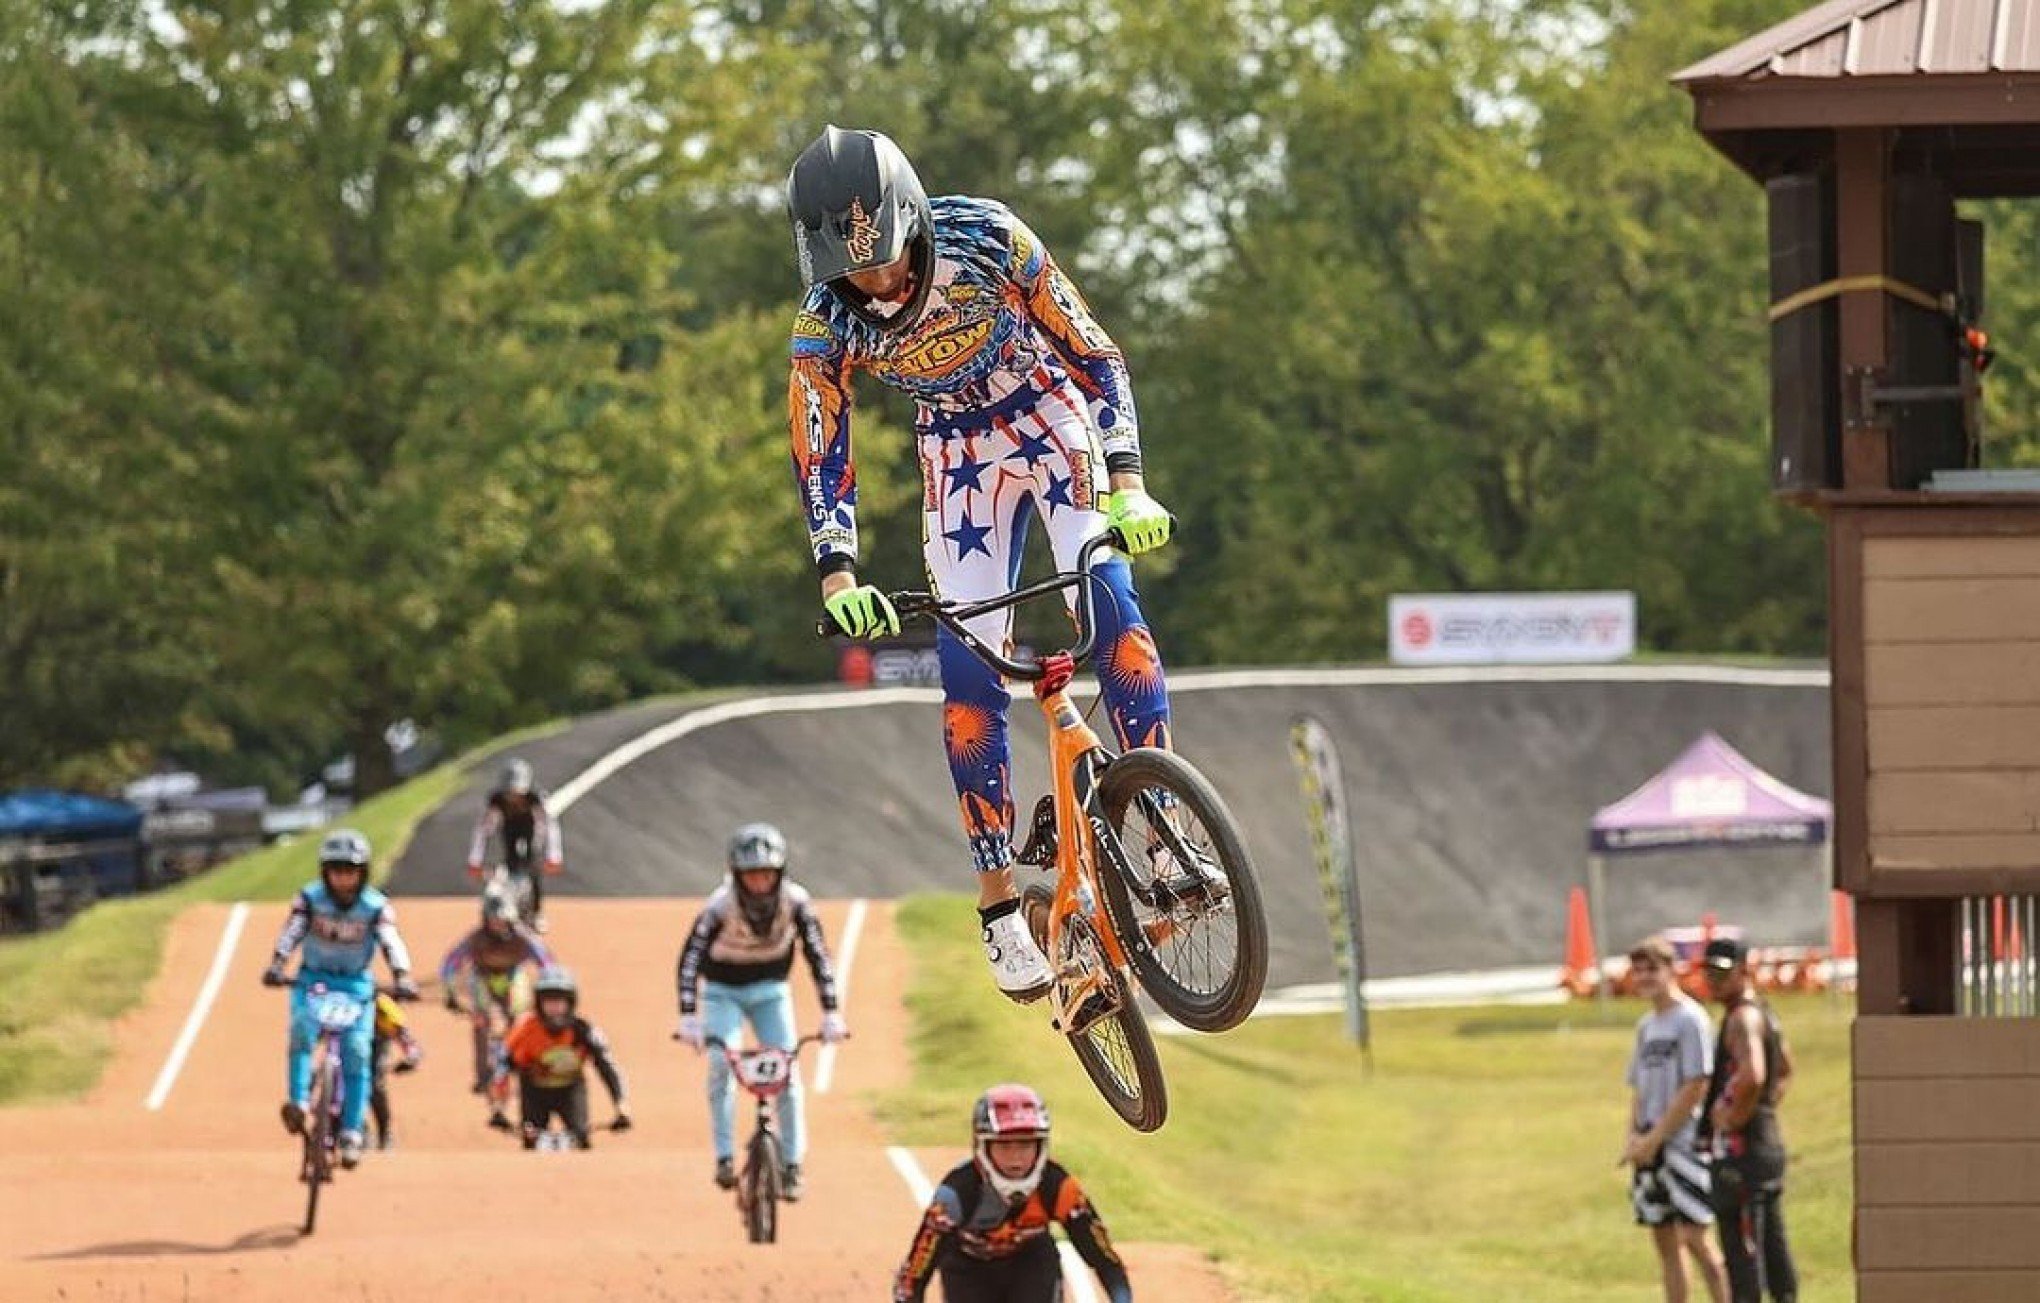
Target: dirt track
107,1201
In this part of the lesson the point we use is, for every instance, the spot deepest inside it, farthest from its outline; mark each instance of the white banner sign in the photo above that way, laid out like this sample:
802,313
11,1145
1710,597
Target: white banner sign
1503,628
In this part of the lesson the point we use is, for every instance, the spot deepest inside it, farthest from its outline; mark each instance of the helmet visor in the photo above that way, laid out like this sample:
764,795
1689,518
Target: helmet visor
864,235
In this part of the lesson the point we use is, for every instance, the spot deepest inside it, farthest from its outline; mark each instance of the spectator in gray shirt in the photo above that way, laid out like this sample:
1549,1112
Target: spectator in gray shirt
1668,1073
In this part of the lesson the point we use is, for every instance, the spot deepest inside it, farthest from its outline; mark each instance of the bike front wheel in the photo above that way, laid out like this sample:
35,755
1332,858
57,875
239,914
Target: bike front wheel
761,1189
1182,891
1117,1049
317,1167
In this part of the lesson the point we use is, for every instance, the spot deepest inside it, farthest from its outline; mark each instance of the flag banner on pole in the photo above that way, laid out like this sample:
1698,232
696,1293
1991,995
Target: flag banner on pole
1324,801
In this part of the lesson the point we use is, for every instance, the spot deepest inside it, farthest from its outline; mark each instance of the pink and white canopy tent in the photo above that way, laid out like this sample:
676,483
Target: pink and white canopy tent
1712,795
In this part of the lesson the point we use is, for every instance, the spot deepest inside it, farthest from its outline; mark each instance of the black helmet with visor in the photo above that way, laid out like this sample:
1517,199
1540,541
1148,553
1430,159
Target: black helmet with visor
857,205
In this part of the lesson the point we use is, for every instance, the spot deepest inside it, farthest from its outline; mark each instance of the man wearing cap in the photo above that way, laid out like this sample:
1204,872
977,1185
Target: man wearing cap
1740,1117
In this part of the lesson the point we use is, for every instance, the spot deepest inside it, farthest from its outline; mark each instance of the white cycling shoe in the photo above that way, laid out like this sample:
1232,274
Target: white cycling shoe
1018,966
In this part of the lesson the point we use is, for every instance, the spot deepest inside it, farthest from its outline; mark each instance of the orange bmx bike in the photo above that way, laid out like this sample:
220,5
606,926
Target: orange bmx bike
1152,875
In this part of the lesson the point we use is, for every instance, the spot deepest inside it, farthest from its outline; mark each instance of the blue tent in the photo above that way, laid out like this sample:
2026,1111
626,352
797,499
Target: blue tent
108,832
65,816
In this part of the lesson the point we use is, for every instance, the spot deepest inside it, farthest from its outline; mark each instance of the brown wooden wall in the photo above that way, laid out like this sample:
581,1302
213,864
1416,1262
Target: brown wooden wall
1947,1122
1951,691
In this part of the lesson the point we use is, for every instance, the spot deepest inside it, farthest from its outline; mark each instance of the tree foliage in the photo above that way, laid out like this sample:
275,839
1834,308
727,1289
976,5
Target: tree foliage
385,358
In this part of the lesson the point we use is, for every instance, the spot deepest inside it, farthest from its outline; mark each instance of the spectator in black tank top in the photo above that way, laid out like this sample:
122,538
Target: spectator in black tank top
1740,1120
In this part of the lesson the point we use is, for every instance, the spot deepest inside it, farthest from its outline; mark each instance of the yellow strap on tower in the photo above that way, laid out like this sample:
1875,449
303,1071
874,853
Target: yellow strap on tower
1898,289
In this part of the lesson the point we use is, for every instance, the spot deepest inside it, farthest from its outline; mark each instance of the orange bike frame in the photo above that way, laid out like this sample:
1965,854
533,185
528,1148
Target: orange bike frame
1070,739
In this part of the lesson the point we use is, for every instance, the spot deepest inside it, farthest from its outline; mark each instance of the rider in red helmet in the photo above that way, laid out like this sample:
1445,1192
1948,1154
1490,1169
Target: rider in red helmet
987,1228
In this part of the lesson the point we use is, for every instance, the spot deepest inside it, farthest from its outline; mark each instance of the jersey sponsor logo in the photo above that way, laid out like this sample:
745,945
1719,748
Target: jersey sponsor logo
811,336
863,238
946,352
342,931
1082,496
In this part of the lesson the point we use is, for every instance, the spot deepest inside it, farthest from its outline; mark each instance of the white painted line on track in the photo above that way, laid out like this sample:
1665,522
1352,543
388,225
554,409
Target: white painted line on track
919,1187
696,720
230,936
1076,1272
1190,681
853,927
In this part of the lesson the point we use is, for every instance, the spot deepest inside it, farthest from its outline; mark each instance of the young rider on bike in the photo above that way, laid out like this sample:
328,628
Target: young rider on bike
549,1048
493,956
531,835
1024,409
986,1230
738,954
393,1039
341,922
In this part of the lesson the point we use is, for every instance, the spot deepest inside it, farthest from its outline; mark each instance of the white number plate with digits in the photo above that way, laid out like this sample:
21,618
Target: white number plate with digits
336,1011
764,1067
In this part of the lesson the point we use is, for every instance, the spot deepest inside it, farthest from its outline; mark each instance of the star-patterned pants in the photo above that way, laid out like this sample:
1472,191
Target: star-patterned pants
985,477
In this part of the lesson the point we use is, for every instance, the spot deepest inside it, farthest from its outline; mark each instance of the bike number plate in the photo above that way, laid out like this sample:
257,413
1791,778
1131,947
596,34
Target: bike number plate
336,1012
765,1070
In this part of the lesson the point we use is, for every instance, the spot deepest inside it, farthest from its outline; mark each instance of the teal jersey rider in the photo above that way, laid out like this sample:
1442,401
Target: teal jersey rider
340,922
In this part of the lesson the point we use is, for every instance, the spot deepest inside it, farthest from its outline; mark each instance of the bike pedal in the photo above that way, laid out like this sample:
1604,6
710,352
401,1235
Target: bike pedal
1096,1006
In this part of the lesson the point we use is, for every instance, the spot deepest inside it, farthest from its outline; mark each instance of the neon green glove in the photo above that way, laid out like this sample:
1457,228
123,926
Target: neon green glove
862,612
1144,523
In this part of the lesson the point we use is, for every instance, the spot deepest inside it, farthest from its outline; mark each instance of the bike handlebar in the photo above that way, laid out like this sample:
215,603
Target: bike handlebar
718,1043
913,603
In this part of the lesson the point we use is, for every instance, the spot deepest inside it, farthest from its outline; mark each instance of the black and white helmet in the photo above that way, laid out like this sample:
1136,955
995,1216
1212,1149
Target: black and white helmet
753,847
556,981
344,848
757,846
857,204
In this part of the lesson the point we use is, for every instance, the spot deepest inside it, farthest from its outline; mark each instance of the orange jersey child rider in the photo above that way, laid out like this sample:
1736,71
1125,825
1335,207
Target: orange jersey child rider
1024,411
550,1048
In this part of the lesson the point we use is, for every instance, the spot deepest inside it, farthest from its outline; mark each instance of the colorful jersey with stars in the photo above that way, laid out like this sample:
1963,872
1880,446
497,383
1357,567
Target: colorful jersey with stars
999,324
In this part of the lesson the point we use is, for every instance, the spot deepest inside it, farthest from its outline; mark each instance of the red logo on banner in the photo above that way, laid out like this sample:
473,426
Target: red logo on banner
1416,629
854,667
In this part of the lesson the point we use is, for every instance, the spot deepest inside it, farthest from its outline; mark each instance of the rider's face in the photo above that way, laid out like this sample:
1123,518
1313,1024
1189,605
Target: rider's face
344,880
758,882
1013,1157
888,281
553,1008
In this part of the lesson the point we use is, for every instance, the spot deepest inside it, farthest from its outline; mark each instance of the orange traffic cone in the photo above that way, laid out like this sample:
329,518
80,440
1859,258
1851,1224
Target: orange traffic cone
1582,970
1841,925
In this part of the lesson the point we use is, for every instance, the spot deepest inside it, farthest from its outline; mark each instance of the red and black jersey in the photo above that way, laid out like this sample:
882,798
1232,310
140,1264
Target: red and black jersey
967,1217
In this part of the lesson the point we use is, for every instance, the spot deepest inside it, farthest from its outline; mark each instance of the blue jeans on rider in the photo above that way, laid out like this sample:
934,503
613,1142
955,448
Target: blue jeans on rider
769,1007
357,1060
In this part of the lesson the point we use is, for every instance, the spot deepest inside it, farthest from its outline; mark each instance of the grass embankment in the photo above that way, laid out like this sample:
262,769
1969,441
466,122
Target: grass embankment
1477,1162
64,988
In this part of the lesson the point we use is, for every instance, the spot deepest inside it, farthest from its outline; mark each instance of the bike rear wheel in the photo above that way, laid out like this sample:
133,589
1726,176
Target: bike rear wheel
1182,891
761,1189
318,1138
1117,1050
